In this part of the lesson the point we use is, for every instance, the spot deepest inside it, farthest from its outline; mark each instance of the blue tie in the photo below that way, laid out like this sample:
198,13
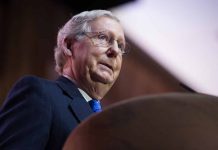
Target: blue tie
95,105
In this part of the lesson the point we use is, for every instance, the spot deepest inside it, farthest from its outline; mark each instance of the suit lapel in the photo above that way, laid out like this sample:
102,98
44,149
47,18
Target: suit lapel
81,109
78,105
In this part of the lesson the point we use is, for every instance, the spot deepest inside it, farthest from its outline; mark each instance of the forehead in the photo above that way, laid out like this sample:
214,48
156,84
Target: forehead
108,24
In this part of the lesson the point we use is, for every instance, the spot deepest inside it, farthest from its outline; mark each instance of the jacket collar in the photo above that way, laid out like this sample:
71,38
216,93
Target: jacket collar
68,87
78,105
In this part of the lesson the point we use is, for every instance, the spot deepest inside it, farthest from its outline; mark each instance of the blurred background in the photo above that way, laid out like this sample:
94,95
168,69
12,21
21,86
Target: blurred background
173,43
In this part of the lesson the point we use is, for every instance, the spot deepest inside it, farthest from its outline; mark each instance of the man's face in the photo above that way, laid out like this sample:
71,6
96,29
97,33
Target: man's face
94,63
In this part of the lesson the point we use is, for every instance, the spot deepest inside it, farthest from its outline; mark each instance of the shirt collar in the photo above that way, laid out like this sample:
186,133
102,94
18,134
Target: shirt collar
85,95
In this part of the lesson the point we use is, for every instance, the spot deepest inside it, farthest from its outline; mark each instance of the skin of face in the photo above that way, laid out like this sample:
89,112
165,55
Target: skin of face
95,68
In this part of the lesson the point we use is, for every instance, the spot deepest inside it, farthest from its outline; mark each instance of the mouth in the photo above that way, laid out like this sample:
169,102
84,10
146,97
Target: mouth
107,65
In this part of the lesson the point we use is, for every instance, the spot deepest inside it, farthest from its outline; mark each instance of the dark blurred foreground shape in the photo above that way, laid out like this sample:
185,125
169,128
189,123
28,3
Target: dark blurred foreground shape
161,122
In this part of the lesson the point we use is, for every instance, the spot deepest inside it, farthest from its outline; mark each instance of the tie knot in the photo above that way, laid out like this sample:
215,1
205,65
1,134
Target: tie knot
95,105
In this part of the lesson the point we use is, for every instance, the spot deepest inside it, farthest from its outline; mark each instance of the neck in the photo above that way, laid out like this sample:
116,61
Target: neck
96,90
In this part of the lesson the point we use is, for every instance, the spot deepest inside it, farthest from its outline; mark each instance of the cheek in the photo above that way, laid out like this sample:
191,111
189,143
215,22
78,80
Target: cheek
91,62
83,55
119,63
94,56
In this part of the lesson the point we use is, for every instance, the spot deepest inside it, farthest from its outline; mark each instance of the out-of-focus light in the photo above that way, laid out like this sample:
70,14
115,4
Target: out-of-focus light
181,35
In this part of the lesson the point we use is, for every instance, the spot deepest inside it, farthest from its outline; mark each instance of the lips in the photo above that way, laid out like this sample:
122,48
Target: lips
107,65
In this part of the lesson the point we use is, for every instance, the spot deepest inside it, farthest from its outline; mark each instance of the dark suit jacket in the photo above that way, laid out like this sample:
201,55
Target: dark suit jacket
39,114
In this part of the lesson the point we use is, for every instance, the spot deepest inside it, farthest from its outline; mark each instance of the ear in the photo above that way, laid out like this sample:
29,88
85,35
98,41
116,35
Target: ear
67,46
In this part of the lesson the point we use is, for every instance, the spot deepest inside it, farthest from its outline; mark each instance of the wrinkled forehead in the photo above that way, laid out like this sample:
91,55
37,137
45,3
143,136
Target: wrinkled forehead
109,25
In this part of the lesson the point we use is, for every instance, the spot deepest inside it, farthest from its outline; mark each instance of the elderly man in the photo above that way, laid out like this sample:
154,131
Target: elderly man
40,114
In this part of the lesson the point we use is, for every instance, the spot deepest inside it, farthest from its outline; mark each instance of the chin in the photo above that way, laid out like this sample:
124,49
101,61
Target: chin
102,78
106,81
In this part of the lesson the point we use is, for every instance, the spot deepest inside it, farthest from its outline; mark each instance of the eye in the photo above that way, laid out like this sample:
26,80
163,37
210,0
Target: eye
121,47
103,37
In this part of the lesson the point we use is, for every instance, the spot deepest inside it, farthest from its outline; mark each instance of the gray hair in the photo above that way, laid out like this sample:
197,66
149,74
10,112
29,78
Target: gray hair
77,25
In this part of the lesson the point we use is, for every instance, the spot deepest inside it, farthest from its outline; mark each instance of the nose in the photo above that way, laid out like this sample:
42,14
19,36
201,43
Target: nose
113,50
